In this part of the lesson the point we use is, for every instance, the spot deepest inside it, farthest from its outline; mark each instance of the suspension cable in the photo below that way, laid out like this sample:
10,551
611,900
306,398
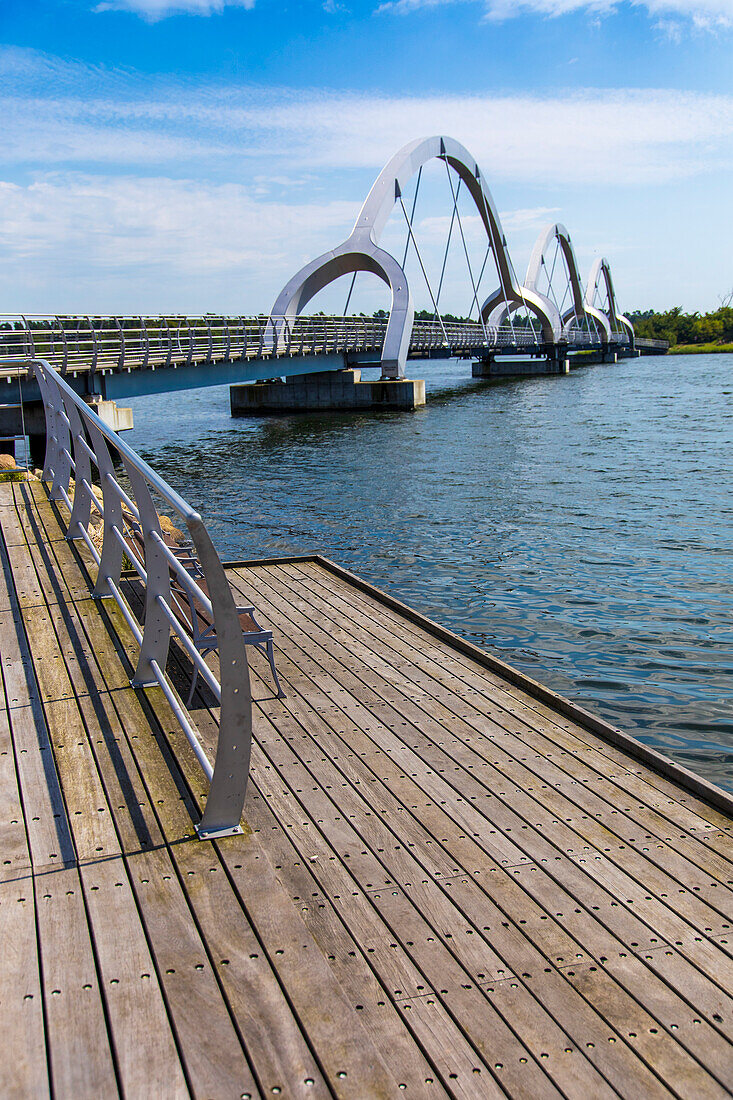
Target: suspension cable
412,215
411,237
351,290
492,245
465,251
447,247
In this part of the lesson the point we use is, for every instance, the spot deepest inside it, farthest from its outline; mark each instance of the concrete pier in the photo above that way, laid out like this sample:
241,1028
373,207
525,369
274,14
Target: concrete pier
33,422
492,367
342,389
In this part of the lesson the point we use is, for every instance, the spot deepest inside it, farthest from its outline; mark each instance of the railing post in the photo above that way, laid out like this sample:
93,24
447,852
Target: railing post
121,334
231,767
189,357
110,565
56,465
157,629
146,343
82,507
64,345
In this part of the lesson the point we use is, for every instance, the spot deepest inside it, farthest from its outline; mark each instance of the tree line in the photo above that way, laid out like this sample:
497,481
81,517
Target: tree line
678,327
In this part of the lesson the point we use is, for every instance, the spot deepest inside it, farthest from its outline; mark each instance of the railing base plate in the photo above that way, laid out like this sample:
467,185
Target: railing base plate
215,834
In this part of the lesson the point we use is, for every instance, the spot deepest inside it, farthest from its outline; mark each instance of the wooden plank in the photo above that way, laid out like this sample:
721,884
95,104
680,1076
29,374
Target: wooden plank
14,851
23,1067
210,1046
78,1043
49,836
148,1062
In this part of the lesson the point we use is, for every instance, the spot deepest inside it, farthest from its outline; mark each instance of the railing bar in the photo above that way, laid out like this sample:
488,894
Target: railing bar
87,539
93,496
128,616
184,575
85,446
136,563
114,484
184,722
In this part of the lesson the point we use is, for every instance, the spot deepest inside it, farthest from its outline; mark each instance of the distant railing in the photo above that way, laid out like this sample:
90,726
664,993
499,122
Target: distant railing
78,443
113,344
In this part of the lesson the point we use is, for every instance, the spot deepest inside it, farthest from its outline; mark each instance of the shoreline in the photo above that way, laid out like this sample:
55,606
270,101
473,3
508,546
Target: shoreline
700,349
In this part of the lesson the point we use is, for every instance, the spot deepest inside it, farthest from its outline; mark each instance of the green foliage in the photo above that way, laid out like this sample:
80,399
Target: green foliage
677,327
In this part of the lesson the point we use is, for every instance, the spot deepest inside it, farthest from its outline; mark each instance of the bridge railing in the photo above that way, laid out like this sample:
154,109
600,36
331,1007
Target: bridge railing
81,344
80,445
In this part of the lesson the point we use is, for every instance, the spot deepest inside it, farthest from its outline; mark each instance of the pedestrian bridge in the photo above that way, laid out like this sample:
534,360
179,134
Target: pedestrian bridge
550,315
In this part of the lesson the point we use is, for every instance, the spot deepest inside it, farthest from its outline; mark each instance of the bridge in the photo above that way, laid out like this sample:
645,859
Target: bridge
536,326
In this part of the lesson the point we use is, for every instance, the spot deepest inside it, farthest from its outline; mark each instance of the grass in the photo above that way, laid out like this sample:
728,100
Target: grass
13,475
699,349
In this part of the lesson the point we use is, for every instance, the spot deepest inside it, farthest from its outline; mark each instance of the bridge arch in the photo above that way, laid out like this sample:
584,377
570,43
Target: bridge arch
578,307
361,251
600,274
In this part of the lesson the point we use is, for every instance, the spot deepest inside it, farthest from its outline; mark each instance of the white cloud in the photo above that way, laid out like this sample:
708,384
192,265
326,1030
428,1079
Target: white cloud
705,14
625,137
154,10
121,243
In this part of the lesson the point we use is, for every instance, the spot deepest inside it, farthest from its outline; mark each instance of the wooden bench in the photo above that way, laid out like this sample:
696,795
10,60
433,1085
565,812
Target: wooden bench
191,612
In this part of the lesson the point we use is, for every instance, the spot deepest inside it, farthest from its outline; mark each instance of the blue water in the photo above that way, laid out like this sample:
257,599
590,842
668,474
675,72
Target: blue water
580,527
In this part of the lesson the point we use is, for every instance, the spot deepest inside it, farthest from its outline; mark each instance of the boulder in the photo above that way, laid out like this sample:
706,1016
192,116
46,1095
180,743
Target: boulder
7,462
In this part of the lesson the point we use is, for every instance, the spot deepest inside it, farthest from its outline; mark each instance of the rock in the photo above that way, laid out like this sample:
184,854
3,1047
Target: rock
169,528
7,462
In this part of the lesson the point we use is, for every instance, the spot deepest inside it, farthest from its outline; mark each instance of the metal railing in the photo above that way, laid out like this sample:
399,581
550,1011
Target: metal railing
111,344
78,443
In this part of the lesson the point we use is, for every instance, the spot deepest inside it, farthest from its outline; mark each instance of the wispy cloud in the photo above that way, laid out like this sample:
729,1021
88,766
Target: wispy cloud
628,136
704,14
154,10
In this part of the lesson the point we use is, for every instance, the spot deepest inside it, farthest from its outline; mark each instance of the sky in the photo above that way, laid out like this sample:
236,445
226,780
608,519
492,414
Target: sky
190,156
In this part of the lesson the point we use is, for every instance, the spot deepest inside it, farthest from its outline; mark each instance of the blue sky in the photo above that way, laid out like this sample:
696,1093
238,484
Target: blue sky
191,155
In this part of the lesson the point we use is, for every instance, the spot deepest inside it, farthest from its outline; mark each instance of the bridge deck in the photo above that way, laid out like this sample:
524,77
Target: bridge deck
447,882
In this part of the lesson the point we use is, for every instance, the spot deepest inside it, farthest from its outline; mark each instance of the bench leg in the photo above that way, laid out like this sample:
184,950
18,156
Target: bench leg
271,659
194,680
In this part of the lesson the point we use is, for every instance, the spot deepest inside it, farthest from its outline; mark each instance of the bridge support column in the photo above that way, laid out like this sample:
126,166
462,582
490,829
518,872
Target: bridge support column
341,389
33,422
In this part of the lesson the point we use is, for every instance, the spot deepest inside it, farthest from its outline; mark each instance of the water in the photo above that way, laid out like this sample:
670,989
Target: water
580,527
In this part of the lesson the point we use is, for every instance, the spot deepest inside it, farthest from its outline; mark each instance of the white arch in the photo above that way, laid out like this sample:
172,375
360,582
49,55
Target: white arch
602,270
580,307
361,251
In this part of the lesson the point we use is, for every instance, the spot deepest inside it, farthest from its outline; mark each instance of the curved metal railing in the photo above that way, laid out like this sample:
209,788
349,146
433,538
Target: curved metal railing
79,444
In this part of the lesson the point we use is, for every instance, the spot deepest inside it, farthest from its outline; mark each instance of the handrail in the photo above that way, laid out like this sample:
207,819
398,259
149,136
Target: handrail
79,344
76,439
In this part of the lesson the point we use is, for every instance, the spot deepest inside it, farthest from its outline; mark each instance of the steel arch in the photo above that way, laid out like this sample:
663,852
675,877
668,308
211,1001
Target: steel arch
602,270
361,251
580,307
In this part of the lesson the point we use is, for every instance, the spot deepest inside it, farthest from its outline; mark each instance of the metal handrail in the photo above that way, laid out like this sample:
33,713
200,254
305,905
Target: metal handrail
78,344
76,440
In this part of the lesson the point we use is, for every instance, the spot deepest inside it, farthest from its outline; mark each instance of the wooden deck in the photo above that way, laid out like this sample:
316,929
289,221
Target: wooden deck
450,884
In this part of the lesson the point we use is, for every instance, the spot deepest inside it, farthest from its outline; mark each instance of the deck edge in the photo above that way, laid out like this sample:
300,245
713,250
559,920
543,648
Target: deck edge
663,765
